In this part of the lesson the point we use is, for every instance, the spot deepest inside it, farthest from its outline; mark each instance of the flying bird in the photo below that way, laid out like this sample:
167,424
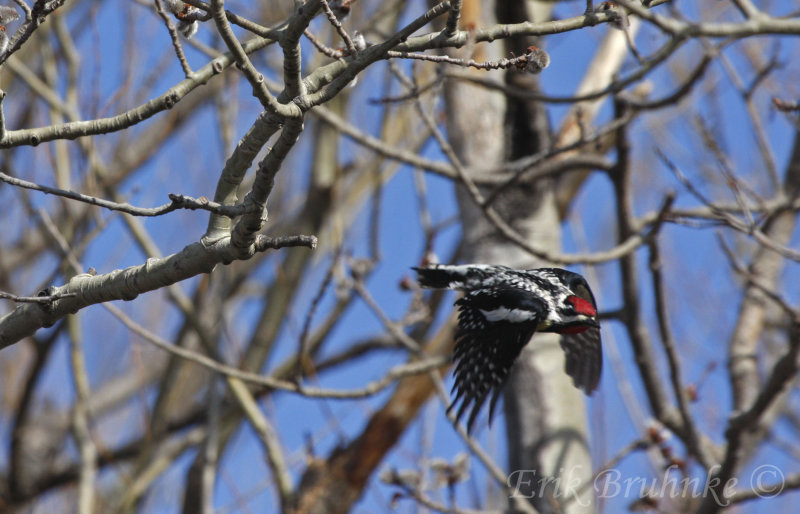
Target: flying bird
500,311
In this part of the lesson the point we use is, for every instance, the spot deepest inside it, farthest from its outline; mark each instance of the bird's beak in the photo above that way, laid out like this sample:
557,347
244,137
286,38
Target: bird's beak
592,322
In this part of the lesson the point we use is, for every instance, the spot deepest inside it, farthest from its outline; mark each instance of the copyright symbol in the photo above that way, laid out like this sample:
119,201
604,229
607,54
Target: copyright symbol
767,481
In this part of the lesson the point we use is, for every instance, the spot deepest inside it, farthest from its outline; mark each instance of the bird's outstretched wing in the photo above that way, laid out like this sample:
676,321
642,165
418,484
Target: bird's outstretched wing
493,326
584,358
584,350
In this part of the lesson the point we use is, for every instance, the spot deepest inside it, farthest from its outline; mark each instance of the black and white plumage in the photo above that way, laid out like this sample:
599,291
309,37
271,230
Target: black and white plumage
500,311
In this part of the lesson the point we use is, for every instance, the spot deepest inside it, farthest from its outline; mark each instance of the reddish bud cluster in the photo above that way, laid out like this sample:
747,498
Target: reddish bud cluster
620,16
691,392
187,16
7,15
407,284
536,60
341,8
659,435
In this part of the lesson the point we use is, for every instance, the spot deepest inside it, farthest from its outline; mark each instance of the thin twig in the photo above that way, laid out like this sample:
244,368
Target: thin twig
500,64
178,201
333,53
304,363
785,105
751,230
268,437
743,424
391,326
44,299
80,421
263,243
242,60
210,446
176,44
372,388
80,410
761,491
519,503
2,115
690,435
634,446
742,270
249,25
626,247
351,47
638,334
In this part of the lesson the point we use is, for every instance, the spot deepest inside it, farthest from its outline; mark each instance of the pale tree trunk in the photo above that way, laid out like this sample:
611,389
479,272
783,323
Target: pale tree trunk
546,421
545,414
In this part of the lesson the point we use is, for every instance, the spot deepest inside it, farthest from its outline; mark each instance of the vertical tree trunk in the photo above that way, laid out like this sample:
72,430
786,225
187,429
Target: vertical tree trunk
545,414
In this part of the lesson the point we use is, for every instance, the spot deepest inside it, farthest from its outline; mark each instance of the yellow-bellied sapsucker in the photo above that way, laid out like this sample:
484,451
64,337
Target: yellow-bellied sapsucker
500,311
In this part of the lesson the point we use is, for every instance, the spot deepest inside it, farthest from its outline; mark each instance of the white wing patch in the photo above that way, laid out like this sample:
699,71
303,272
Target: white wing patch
510,315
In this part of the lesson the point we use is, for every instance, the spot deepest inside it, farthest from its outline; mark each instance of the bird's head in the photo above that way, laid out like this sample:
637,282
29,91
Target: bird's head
577,311
577,315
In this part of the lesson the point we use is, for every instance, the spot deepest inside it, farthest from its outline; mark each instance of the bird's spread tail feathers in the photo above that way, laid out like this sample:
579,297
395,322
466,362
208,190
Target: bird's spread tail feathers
444,276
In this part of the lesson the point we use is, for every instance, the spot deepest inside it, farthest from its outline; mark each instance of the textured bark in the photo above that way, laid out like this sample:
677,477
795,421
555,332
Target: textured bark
545,414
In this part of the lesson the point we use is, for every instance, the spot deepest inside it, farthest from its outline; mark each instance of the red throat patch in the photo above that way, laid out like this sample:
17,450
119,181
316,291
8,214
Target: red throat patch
582,306
573,330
